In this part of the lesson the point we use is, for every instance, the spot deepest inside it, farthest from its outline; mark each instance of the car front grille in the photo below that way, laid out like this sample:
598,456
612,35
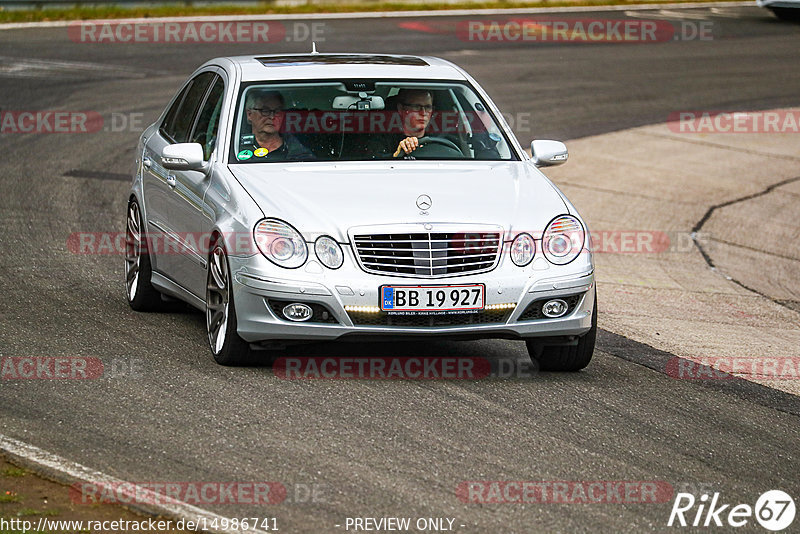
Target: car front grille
428,254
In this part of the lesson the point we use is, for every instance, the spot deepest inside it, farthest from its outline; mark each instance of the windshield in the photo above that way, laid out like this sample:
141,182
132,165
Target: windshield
356,120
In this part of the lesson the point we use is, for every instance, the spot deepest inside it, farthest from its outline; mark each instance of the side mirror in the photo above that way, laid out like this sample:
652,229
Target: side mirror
548,153
183,157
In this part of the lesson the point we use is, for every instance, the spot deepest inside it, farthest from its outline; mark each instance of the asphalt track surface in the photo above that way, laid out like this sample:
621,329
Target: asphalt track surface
372,448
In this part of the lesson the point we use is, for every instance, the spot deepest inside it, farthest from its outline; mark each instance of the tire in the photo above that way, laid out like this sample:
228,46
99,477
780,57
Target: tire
566,358
787,13
141,294
226,346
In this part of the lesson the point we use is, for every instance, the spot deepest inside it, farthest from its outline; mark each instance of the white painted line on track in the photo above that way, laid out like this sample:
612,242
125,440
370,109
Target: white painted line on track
668,14
39,68
54,467
379,14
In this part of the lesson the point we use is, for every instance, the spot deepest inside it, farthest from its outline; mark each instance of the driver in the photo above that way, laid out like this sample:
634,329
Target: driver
415,107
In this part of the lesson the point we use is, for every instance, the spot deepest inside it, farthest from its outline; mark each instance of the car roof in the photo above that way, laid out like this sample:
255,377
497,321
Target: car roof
345,65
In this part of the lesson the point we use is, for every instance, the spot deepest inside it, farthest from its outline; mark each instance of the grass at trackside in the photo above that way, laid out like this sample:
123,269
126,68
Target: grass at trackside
115,12
27,497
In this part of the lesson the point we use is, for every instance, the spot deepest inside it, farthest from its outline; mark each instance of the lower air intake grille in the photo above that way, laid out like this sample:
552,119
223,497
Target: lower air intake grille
385,319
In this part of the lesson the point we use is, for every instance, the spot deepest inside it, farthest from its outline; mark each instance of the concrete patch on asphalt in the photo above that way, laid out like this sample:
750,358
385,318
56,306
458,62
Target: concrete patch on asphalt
737,304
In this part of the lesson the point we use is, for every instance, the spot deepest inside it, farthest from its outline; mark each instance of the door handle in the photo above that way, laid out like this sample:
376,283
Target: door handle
146,162
171,180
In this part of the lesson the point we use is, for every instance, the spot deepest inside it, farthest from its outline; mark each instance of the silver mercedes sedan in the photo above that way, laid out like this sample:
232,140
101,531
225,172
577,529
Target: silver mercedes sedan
297,198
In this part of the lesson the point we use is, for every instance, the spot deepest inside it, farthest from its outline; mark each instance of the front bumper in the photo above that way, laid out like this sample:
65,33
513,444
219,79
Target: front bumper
259,287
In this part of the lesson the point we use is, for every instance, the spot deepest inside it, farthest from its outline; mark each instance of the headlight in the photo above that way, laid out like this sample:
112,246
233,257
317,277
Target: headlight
329,252
522,250
563,239
280,243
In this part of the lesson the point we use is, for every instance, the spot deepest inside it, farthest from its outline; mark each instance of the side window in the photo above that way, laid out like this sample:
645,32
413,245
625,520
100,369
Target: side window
167,128
181,116
205,131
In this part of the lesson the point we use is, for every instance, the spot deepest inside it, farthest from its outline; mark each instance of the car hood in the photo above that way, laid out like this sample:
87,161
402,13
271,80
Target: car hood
319,198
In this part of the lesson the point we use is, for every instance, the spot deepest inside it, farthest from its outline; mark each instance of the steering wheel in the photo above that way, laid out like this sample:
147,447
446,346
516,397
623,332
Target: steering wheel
431,146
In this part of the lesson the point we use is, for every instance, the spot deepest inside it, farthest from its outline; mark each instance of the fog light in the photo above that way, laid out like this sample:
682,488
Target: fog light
554,308
297,312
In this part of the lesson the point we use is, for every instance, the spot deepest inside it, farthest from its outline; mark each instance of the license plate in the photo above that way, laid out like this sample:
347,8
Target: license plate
421,299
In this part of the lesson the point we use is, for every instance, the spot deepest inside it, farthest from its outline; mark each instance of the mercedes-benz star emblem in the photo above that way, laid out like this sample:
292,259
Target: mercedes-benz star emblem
424,202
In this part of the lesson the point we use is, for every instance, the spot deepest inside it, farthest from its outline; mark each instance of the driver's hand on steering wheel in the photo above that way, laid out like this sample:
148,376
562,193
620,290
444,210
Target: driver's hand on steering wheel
407,145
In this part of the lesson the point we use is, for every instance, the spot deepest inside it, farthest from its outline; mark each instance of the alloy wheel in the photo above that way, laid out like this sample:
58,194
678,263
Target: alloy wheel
133,250
217,299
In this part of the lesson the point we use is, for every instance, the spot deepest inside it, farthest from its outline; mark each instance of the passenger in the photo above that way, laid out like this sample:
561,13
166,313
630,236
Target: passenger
265,113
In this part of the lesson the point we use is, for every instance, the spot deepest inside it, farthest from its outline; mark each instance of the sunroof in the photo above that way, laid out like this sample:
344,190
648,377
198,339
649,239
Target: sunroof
342,59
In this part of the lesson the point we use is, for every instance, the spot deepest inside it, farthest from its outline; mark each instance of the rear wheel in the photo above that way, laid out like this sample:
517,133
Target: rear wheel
226,345
567,358
142,296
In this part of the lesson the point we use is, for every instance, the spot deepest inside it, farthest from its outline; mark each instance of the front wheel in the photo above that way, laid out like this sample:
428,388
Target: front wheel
226,345
566,358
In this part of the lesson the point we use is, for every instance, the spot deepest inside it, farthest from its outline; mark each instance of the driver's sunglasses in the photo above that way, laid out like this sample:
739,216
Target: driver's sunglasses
267,112
418,107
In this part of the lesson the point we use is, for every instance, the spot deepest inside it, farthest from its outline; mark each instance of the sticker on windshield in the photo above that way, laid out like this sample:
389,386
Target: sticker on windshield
244,154
261,152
